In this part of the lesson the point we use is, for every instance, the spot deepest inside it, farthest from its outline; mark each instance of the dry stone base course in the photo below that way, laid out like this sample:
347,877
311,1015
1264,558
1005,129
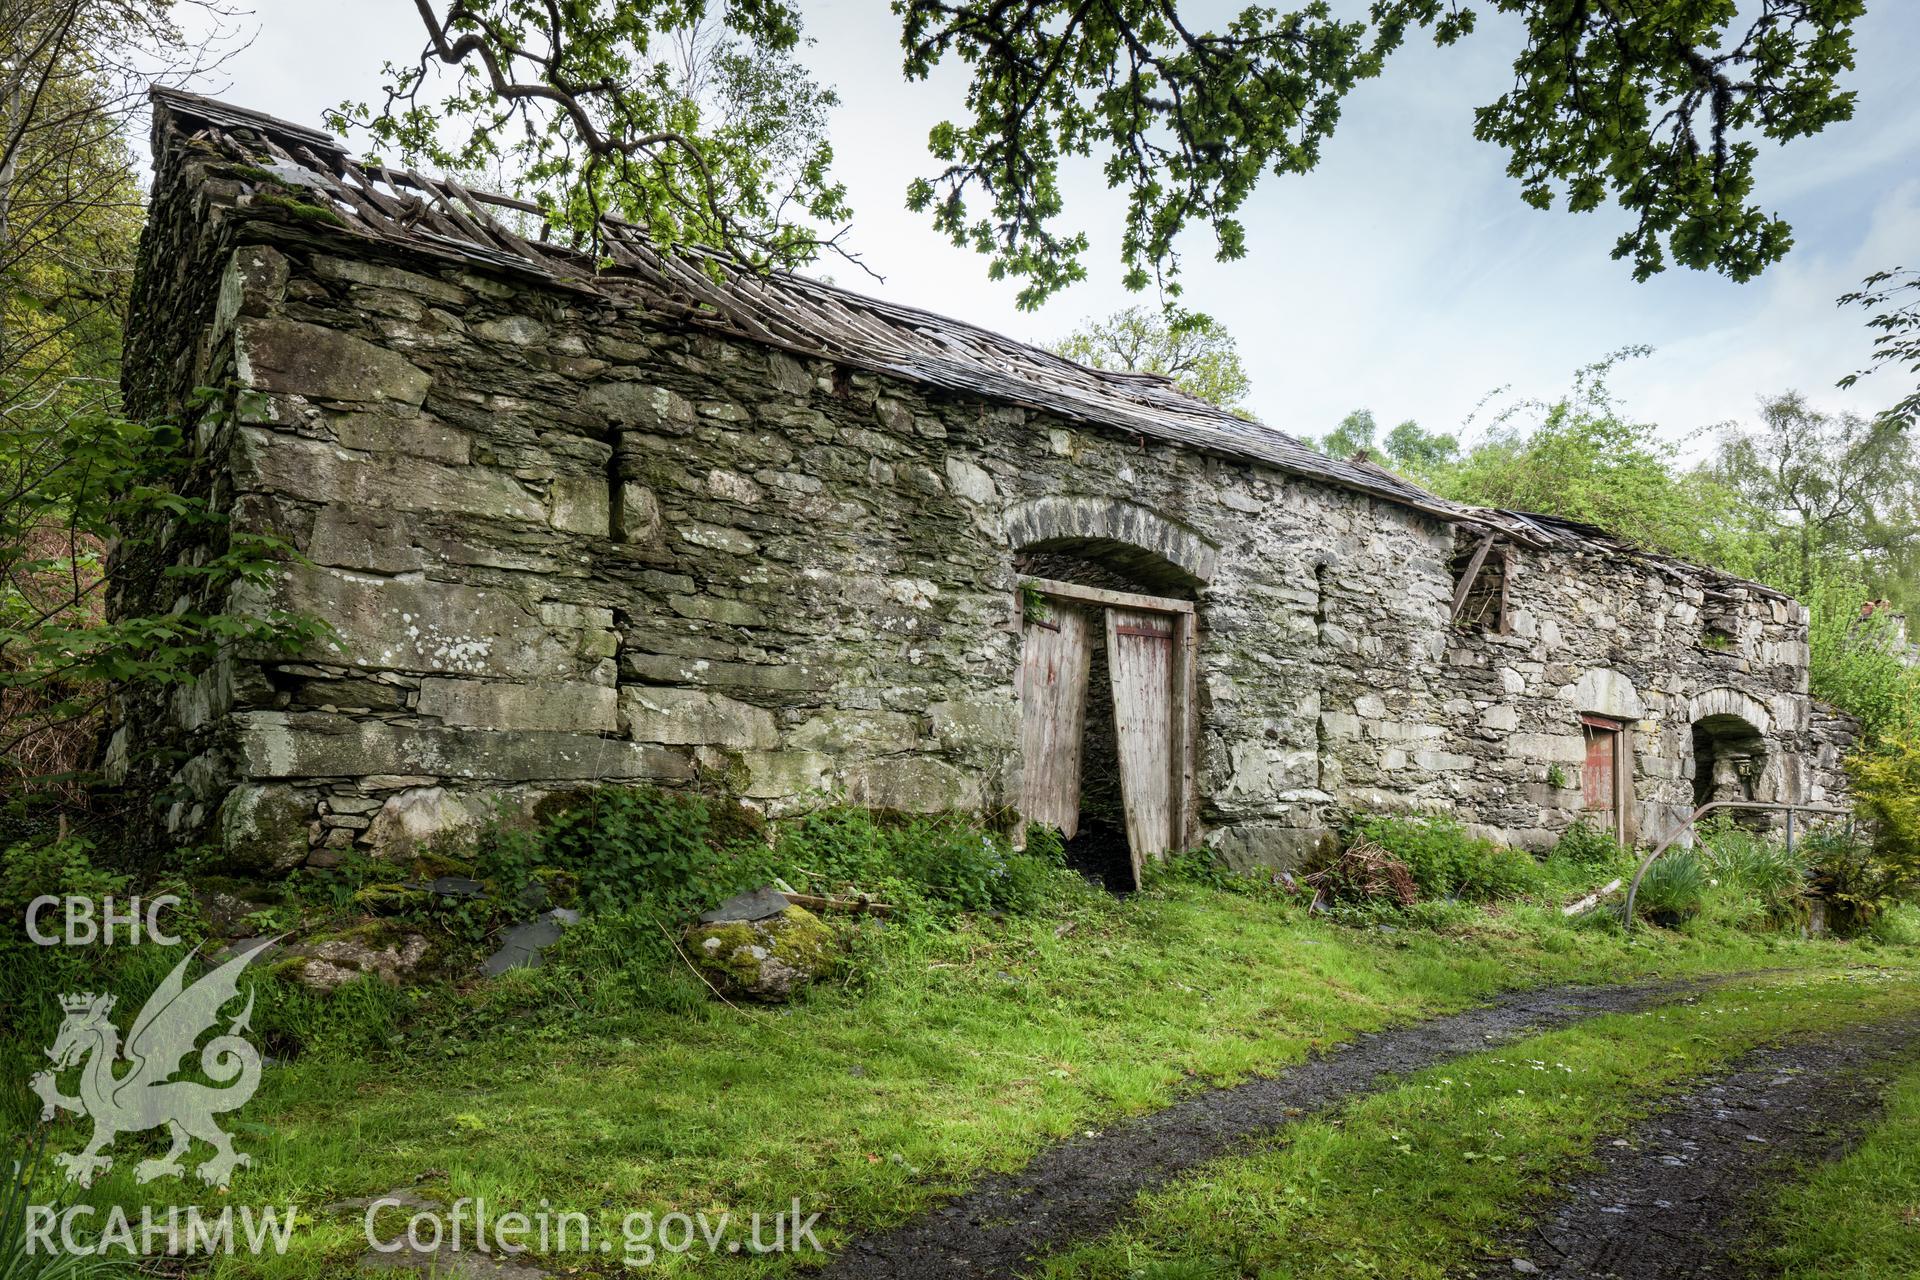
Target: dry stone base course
565,541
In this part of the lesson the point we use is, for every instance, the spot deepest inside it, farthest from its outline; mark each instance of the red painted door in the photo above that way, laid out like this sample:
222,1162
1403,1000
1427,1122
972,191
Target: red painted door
1597,777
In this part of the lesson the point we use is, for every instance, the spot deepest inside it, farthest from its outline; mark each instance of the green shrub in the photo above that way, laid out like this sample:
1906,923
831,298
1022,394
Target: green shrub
1858,884
1886,794
1447,862
1503,873
1203,868
1673,890
1586,845
59,867
1897,926
680,852
1758,866
938,863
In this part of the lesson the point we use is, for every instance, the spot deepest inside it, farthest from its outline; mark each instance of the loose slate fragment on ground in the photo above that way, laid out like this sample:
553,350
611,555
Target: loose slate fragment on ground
1080,1188
521,945
1681,1196
761,904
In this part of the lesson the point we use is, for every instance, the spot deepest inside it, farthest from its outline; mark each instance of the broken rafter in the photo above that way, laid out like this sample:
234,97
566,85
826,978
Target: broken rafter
1469,575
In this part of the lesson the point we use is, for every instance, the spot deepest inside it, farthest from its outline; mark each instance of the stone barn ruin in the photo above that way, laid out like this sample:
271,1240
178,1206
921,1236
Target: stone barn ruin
579,524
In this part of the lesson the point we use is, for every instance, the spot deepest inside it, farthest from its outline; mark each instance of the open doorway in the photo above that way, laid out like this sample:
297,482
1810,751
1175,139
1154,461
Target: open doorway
1729,758
1107,716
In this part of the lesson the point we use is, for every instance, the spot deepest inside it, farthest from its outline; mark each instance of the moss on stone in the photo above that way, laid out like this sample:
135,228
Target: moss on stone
765,959
805,942
263,830
731,948
431,864
254,173
390,899
299,209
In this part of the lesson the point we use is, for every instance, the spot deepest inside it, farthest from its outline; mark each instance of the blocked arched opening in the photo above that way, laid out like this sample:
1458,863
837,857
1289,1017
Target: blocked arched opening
1109,620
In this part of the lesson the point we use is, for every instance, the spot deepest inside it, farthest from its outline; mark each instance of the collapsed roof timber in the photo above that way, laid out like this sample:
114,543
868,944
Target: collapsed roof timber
662,519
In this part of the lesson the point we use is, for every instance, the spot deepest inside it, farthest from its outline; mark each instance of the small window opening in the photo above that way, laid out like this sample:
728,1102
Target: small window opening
1480,570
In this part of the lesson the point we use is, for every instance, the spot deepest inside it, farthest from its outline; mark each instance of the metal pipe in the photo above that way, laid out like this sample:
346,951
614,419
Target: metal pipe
1789,809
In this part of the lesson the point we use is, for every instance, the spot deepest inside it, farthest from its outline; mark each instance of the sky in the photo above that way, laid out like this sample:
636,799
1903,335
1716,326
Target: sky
1404,275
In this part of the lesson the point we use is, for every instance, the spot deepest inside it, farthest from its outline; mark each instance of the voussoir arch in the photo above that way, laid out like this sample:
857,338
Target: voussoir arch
1064,522
1711,704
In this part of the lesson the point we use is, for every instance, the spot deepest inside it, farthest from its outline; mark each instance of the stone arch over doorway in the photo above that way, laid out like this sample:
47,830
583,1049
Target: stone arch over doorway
1107,682
1730,758
1146,547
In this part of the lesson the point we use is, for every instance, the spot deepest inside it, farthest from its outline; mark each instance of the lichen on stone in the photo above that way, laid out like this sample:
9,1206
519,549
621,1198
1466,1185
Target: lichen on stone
767,959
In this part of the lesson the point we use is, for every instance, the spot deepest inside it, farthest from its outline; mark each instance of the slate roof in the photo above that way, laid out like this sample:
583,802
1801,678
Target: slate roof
441,217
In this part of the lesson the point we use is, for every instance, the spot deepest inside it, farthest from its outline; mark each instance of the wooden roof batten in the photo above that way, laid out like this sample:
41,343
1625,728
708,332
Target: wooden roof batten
442,217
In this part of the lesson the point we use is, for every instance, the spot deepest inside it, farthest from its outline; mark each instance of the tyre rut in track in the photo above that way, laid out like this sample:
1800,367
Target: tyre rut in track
1682,1195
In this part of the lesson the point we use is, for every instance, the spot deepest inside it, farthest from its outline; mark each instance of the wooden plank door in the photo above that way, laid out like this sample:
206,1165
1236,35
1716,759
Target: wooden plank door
1055,657
1599,780
1140,659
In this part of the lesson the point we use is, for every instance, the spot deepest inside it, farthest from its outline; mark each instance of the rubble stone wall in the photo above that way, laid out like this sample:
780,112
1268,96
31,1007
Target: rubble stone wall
1596,635
1832,736
565,543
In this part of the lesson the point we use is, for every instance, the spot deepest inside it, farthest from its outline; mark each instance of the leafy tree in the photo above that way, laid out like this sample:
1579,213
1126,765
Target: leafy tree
1357,431
1659,106
1858,657
702,131
1582,458
1892,302
1415,449
1196,351
1410,447
1833,490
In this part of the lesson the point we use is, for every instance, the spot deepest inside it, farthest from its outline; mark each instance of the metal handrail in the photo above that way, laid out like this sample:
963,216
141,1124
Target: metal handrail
1789,809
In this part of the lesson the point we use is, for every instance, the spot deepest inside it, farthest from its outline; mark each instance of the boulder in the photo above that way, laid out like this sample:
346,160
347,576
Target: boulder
263,829
766,959
330,962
